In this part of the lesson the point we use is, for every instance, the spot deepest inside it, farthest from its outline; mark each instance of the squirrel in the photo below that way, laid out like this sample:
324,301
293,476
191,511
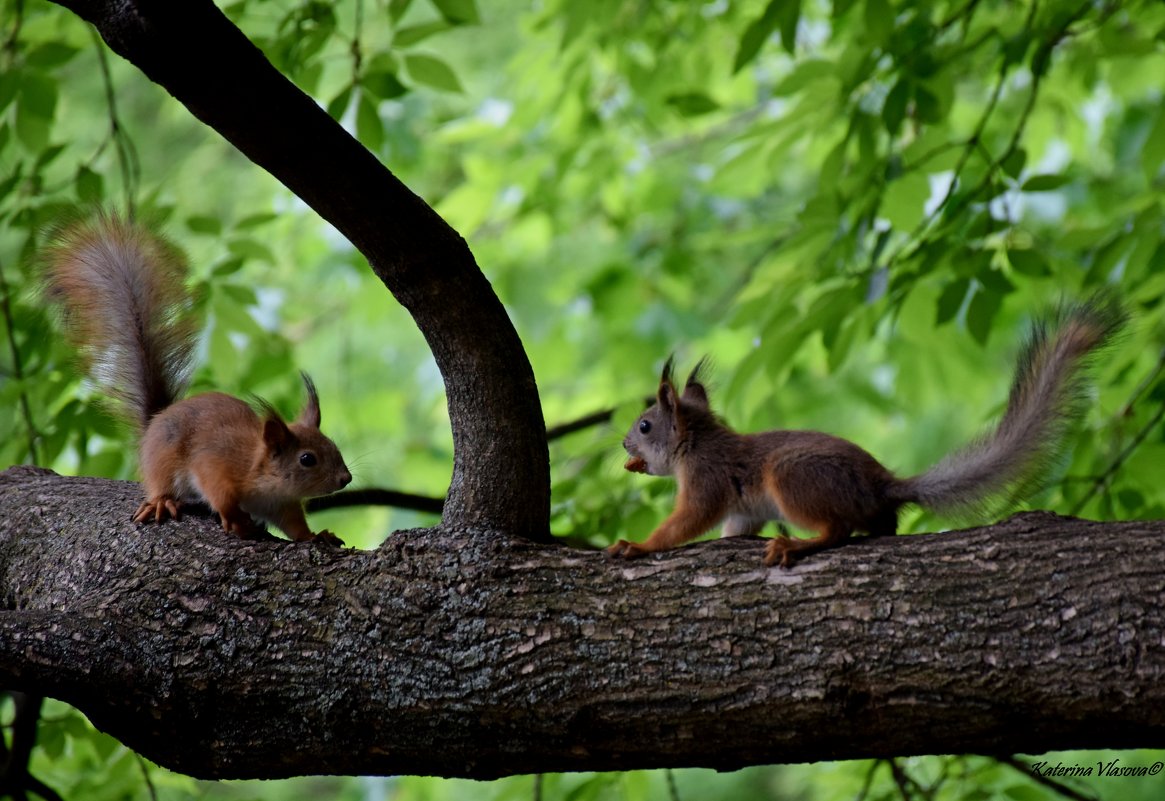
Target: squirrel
831,486
121,288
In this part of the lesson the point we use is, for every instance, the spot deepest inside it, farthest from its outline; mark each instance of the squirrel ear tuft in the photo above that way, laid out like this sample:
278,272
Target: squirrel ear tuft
310,415
665,377
694,389
667,391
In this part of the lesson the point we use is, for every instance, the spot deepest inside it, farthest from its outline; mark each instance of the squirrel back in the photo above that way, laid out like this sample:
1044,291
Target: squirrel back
122,291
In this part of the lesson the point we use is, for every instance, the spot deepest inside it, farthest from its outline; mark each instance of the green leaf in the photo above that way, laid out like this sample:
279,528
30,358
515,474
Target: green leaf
338,105
755,35
894,108
879,19
951,300
981,314
789,15
397,9
90,186
993,280
1044,183
412,34
50,54
1025,792
228,267
1013,164
904,199
250,249
1153,153
928,105
805,73
35,108
432,72
459,12
692,104
255,220
383,84
9,84
369,127
202,224
1029,262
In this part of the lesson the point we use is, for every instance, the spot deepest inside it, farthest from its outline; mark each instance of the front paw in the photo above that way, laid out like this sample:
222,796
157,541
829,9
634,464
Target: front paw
779,550
628,550
243,526
328,538
157,509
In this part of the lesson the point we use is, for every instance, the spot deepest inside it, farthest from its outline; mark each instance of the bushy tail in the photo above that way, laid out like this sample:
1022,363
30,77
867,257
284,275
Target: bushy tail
1046,398
121,289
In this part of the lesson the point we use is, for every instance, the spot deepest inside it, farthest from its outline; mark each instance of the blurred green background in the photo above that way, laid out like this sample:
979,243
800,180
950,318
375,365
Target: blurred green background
855,208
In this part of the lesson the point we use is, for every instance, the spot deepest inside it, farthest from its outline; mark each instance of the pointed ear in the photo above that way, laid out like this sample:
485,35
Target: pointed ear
310,415
666,397
276,435
694,390
665,376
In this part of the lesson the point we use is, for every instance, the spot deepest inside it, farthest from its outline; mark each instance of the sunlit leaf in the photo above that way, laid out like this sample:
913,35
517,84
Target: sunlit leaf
432,72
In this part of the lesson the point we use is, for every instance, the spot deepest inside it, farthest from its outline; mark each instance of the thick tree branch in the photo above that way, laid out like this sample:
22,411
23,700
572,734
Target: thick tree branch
466,652
501,473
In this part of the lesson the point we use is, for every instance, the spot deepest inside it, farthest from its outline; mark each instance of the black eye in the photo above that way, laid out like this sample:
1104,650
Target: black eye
644,426
307,459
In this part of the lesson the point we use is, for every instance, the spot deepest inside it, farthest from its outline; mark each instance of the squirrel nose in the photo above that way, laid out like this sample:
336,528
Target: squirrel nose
345,478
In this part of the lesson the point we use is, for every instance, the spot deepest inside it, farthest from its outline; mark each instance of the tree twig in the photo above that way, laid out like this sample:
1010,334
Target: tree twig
1051,784
378,496
18,368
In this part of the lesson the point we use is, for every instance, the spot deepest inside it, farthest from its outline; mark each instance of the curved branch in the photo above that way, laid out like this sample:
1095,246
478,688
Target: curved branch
501,475
472,653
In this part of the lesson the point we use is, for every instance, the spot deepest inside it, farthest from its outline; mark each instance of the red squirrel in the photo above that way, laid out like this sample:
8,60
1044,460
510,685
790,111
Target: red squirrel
122,290
833,487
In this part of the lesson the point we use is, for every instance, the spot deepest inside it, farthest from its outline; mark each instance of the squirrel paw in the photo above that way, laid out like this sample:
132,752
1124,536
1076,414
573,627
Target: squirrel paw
779,550
159,509
628,550
328,538
242,525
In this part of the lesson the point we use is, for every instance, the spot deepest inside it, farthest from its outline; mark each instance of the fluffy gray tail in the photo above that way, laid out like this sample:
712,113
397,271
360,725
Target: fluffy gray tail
1046,399
122,291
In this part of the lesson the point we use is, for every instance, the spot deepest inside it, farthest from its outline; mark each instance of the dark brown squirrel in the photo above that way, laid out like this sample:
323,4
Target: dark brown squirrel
831,486
122,290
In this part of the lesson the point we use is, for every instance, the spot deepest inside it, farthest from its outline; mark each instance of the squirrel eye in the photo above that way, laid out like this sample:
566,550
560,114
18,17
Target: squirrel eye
644,426
307,459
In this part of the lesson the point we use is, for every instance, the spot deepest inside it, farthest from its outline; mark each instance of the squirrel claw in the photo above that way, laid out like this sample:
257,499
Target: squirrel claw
157,508
778,550
627,550
242,525
328,538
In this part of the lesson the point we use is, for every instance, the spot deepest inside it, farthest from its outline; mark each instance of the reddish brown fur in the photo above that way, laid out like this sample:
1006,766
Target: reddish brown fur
833,487
121,289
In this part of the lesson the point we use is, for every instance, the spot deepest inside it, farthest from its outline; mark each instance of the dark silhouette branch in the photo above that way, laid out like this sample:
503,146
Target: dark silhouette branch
377,496
16,781
1039,778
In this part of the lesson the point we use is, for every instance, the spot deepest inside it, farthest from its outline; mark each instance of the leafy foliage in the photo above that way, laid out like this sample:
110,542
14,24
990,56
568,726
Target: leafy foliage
855,207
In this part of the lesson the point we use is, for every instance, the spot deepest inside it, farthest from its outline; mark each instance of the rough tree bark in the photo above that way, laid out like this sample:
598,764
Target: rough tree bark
465,652
501,474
